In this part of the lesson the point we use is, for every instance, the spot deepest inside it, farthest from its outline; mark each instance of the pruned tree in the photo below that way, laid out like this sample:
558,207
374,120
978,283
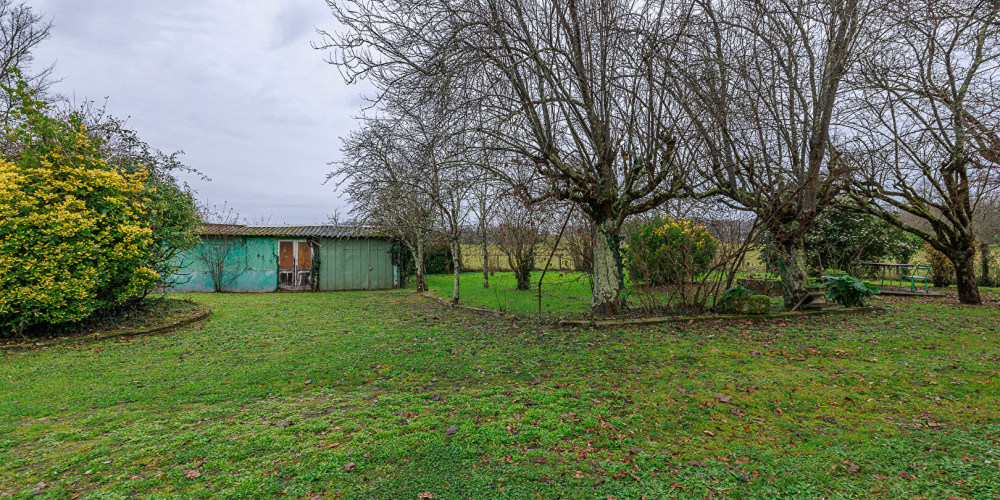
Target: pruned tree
386,190
485,190
571,88
218,251
761,83
520,227
931,151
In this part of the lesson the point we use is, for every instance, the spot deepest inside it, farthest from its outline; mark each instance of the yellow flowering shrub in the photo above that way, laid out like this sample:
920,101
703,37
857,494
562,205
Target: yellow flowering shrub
72,238
669,250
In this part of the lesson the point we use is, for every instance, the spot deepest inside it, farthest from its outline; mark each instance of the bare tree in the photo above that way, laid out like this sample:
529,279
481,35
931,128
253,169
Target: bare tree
570,87
386,190
218,249
519,229
930,126
485,190
761,81
21,30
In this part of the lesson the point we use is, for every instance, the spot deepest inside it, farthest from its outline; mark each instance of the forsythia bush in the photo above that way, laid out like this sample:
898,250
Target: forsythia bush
72,240
668,251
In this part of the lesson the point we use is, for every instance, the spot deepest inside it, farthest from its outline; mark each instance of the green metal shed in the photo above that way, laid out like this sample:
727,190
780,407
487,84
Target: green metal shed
293,258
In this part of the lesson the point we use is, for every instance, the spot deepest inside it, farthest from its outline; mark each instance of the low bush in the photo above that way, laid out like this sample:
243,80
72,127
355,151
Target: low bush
849,291
668,250
942,270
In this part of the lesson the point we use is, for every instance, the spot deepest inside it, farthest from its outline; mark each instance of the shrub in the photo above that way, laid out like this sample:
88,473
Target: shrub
72,234
668,250
843,238
438,260
744,304
849,291
942,270
736,292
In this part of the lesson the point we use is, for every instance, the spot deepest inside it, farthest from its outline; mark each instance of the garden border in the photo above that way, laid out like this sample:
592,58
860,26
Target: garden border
653,320
201,313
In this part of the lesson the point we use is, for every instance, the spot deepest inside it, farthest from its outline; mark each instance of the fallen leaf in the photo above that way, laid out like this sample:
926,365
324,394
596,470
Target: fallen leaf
698,463
709,433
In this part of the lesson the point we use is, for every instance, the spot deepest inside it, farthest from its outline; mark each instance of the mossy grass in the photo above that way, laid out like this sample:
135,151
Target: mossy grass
388,395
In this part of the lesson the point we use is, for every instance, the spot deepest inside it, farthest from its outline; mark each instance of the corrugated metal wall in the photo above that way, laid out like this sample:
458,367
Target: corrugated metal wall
255,256
355,264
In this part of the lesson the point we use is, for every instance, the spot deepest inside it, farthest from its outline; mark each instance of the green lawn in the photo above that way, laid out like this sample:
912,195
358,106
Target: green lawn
562,292
388,395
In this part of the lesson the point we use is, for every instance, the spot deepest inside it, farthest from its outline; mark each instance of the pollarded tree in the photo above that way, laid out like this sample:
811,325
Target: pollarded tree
519,229
572,88
761,82
931,148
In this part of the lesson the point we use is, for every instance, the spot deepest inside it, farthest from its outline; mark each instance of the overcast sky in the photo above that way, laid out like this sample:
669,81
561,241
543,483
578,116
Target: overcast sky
233,83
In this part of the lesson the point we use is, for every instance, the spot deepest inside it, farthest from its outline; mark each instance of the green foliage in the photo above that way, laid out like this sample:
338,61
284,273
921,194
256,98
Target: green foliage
74,232
736,292
438,260
842,238
849,291
835,273
942,269
667,250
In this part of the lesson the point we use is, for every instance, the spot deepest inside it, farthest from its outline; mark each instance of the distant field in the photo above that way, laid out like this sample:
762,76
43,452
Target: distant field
472,259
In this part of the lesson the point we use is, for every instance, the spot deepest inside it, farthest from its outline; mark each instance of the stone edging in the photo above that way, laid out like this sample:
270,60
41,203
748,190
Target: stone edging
200,314
445,303
713,317
658,319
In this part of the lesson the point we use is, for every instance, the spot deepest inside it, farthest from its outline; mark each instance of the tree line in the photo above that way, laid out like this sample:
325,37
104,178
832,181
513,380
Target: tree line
616,108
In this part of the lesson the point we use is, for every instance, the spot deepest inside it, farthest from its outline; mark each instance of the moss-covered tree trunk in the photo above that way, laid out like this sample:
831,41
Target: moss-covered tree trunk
965,277
418,267
486,255
608,280
522,271
791,266
456,270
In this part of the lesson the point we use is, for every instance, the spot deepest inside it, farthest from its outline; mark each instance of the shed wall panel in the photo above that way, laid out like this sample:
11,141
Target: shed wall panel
355,264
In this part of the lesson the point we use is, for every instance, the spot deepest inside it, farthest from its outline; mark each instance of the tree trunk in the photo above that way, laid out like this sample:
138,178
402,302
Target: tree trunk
522,272
608,283
418,269
486,256
965,279
456,265
792,270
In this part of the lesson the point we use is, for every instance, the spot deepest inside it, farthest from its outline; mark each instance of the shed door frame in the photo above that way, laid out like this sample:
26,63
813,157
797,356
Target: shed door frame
295,278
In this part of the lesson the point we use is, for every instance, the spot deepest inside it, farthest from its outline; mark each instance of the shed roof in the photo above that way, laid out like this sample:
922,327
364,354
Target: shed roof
287,231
